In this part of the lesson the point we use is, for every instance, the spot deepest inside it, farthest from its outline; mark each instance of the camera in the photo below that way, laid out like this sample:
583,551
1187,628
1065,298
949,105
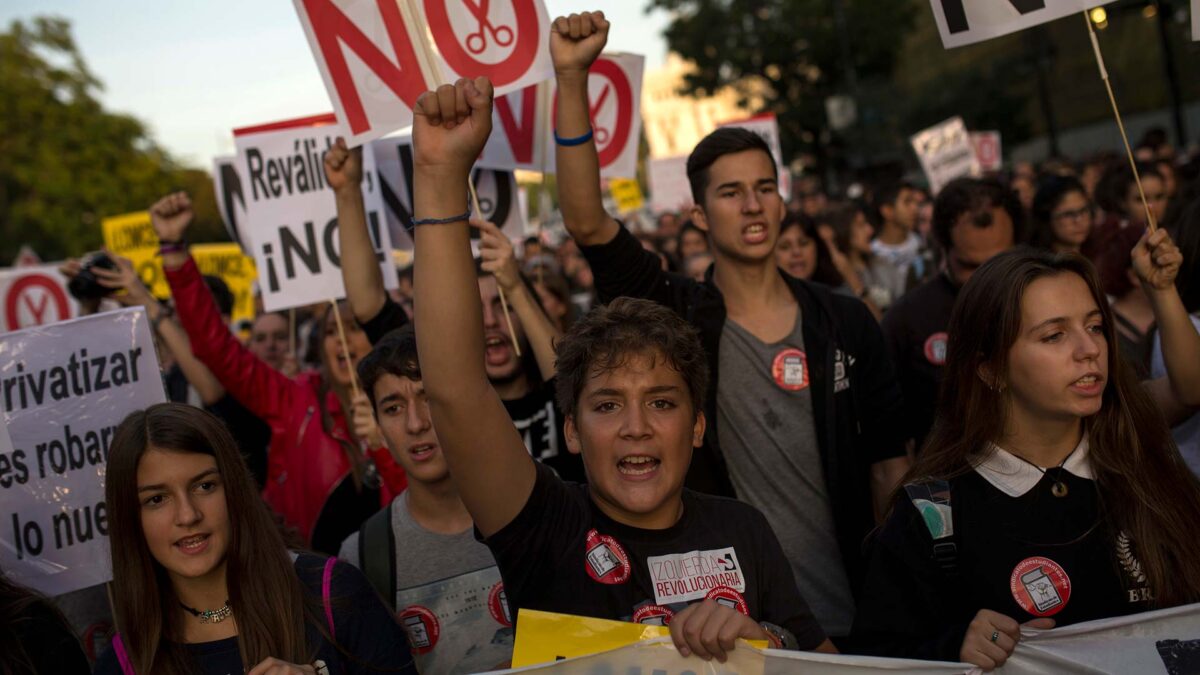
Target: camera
85,286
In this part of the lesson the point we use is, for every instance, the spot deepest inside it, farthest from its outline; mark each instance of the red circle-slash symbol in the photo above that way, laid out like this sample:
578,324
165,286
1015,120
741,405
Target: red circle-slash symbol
20,296
460,51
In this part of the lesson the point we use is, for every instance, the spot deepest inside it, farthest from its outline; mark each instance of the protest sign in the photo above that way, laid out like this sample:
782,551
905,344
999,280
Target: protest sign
236,269
962,22
64,389
497,190
131,235
519,123
406,47
669,188
1196,19
34,296
26,257
987,150
231,201
615,94
291,212
627,194
767,126
945,153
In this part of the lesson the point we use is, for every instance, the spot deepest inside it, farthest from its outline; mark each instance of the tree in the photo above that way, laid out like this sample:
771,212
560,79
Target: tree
791,52
67,162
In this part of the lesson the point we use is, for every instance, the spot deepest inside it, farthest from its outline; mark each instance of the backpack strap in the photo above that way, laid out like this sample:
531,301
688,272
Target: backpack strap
122,657
326,583
377,554
931,498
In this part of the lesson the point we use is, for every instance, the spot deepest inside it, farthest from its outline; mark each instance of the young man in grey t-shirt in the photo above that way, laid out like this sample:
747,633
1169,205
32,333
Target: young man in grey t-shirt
444,585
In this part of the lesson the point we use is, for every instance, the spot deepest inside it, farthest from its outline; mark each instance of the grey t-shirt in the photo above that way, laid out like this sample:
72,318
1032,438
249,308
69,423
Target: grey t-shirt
449,597
766,431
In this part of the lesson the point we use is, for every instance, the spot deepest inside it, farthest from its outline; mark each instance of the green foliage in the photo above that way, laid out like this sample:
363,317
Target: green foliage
67,162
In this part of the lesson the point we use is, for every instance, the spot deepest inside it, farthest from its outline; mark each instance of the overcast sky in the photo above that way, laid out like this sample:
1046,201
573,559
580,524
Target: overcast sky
195,70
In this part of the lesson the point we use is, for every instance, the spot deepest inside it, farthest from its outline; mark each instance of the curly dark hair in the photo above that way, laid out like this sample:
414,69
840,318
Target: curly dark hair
977,196
609,336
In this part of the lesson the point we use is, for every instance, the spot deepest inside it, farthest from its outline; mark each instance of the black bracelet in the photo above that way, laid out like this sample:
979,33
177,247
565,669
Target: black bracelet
443,221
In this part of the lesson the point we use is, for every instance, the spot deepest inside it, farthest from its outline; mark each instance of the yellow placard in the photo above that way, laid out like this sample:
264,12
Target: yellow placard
236,269
627,194
131,235
546,637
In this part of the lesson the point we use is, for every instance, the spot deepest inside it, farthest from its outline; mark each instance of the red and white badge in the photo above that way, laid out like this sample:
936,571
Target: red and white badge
790,369
653,615
422,627
935,349
729,597
605,560
1040,586
498,605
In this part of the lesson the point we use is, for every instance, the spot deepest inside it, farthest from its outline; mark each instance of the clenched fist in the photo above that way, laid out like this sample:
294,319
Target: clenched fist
576,41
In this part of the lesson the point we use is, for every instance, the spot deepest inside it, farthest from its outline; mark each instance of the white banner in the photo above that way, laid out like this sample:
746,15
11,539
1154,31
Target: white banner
987,150
962,22
405,47
669,188
946,153
615,93
231,200
292,213
34,295
767,126
497,190
64,389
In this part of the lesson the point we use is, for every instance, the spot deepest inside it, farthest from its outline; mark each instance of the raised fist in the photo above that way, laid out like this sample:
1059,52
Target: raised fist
343,166
171,216
1156,260
576,41
451,125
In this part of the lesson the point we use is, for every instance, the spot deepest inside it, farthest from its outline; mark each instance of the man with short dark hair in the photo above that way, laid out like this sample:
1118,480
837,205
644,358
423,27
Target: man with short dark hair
803,412
896,209
973,220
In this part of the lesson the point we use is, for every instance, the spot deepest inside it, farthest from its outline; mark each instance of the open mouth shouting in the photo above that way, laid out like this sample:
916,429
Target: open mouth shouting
754,233
638,467
1091,384
497,349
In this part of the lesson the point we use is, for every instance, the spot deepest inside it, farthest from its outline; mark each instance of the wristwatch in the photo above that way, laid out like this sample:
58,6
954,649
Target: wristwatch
781,638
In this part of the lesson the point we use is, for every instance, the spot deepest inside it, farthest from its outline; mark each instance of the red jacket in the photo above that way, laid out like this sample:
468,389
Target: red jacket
304,464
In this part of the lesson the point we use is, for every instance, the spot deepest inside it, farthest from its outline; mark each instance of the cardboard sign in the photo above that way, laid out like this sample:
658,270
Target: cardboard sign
236,269
946,153
962,22
615,92
627,194
498,193
64,388
34,296
131,235
292,213
376,58
987,150
519,122
231,201
670,191
767,126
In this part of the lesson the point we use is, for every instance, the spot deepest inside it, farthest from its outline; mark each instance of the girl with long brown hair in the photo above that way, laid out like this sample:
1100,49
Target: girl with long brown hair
202,580
1049,491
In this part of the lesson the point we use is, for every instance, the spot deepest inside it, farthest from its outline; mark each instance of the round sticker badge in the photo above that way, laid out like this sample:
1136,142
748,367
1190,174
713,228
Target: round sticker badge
790,369
422,627
654,615
1040,586
605,560
935,349
498,605
729,597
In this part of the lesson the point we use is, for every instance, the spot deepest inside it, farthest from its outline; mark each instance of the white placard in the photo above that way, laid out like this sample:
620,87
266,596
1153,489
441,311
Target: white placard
292,213
988,151
231,200
946,153
615,94
767,126
1196,19
64,389
670,190
34,295
519,123
962,22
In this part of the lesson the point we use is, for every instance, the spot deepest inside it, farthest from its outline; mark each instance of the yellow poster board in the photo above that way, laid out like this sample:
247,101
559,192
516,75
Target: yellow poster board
627,194
132,236
236,269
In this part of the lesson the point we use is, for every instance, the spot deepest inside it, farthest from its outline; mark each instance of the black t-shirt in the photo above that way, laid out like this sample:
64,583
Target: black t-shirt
1026,557
537,418
915,331
48,643
562,554
363,626
342,515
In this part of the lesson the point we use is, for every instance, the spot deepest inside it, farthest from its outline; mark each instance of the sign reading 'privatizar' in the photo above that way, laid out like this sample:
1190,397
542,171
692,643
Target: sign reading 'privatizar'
376,58
963,22
291,213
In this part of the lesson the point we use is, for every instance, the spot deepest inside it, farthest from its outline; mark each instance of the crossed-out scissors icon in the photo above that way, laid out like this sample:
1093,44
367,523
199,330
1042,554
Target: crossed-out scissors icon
478,42
601,133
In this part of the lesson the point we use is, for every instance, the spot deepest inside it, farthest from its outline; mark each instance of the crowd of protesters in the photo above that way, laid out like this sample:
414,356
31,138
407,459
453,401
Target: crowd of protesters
869,412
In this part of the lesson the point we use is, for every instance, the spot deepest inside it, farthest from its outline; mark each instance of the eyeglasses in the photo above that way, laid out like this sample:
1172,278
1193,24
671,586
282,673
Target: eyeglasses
1077,214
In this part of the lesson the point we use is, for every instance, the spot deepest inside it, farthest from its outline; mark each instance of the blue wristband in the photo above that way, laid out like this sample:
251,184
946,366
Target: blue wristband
443,221
568,142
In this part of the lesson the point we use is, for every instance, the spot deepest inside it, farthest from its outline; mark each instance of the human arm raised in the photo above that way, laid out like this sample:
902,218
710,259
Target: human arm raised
360,268
480,443
1156,260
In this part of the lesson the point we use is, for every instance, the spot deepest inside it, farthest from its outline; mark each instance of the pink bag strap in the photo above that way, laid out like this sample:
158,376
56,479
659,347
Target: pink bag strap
326,580
122,657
